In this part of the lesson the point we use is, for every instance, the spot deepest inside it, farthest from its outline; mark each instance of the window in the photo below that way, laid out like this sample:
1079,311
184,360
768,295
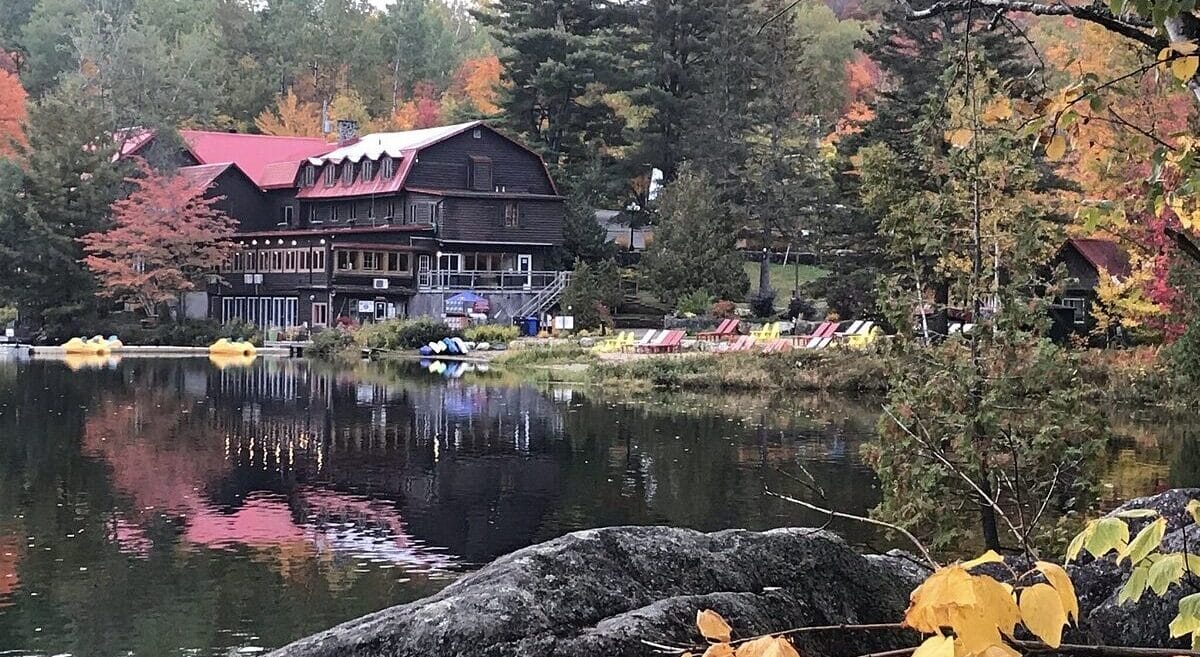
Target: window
420,212
353,210
387,167
370,261
368,169
276,260
512,215
391,210
397,262
313,216
303,260
330,175
479,173
264,262
320,314
309,177
1079,305
337,212
289,260
345,261
477,133
371,209
286,215
318,260
347,173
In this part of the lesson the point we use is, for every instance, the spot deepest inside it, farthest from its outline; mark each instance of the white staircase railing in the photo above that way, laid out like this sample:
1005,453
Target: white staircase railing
546,298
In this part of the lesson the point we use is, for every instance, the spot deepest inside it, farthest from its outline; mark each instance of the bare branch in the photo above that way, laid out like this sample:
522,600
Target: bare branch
1128,27
872,521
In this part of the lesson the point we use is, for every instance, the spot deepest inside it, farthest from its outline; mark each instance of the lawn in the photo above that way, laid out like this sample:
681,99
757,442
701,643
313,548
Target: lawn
783,277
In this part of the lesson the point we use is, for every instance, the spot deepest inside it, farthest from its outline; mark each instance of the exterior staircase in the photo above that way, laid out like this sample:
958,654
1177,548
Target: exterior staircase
546,297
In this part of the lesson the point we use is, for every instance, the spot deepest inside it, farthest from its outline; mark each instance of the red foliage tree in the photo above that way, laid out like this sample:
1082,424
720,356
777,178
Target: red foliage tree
12,112
166,236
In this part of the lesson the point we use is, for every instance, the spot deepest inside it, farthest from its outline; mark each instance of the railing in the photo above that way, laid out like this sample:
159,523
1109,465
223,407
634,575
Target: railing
499,281
546,298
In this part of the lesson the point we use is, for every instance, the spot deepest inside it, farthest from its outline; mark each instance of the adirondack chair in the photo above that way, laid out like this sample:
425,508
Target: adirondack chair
617,343
778,346
646,340
866,335
648,345
670,342
822,336
727,329
768,331
743,343
850,330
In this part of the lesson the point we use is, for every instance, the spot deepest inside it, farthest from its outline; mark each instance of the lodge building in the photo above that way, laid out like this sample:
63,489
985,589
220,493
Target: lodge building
379,226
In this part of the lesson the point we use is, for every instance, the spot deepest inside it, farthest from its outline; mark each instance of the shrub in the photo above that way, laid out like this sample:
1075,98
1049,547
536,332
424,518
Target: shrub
724,309
801,308
402,333
762,304
693,303
491,333
241,330
330,343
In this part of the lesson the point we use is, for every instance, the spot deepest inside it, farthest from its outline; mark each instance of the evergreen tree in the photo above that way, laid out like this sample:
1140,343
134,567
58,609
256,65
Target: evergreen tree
561,58
782,180
675,31
694,245
583,238
67,183
720,119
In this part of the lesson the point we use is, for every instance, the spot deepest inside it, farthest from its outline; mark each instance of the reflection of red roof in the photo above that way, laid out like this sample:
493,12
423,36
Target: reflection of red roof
199,178
253,153
1103,255
262,521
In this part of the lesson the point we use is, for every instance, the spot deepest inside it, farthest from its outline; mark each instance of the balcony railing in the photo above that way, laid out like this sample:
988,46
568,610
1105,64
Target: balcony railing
500,281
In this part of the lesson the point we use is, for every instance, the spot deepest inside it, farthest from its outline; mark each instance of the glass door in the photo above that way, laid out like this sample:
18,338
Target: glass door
525,266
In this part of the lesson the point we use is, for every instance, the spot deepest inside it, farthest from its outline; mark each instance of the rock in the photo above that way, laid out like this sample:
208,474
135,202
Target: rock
603,591
499,346
483,346
587,343
1098,581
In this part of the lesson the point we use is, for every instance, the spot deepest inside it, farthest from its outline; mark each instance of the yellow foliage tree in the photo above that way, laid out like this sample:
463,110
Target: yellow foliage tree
290,117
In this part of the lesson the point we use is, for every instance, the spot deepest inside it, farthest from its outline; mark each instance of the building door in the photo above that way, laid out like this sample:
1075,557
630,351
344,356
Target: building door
525,265
448,265
380,310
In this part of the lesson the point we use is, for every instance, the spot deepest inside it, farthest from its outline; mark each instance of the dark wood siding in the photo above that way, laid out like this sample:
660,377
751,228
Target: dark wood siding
482,220
446,165
242,201
1081,275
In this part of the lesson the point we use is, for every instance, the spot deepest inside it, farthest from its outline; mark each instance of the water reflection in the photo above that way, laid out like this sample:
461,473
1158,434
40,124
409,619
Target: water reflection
169,507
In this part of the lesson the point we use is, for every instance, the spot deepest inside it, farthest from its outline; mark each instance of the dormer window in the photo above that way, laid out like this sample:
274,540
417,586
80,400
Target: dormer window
330,175
347,173
368,170
309,177
387,167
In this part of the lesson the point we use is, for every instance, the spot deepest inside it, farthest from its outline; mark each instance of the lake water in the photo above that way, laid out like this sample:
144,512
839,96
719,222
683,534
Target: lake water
173,507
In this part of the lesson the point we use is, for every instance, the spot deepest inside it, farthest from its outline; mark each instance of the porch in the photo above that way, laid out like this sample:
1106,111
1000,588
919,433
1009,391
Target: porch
488,280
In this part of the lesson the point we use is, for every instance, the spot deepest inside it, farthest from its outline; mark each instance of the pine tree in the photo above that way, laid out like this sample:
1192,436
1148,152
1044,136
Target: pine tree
561,57
64,189
694,245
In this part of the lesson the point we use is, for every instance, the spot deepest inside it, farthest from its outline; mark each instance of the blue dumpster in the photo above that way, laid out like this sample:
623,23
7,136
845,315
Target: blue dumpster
528,326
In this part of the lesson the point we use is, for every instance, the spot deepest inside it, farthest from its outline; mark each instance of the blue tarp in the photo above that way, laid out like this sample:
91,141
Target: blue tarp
466,302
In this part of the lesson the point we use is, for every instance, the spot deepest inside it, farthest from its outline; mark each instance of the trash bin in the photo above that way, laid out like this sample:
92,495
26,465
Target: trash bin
528,326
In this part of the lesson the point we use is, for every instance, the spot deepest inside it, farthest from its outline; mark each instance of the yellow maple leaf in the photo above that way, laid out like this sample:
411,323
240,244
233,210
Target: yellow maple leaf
767,646
959,137
712,626
719,650
1043,614
1184,68
929,603
999,110
936,646
991,556
1056,148
1058,578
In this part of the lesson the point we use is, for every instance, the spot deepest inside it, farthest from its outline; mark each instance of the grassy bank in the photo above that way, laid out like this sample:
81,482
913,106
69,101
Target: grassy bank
783,277
831,371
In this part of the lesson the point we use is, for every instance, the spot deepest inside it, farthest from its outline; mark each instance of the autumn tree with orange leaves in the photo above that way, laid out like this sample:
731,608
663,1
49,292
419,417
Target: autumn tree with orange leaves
12,113
290,117
166,237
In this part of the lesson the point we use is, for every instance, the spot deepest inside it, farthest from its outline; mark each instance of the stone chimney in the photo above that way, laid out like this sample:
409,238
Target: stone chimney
347,131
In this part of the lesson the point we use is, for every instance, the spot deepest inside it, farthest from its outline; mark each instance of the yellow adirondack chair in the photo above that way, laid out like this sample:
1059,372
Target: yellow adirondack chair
769,331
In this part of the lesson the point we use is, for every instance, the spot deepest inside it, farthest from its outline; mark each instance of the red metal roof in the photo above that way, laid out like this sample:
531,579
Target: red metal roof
319,232
202,176
253,153
1103,255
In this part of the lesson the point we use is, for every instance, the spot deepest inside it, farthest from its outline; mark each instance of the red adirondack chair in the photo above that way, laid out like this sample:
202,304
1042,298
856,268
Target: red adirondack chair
727,329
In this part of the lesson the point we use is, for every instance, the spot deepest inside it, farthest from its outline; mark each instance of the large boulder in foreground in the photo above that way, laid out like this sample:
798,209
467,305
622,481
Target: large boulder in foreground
604,591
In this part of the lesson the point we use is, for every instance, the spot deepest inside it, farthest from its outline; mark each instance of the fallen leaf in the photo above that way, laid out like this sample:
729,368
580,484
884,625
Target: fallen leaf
712,626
